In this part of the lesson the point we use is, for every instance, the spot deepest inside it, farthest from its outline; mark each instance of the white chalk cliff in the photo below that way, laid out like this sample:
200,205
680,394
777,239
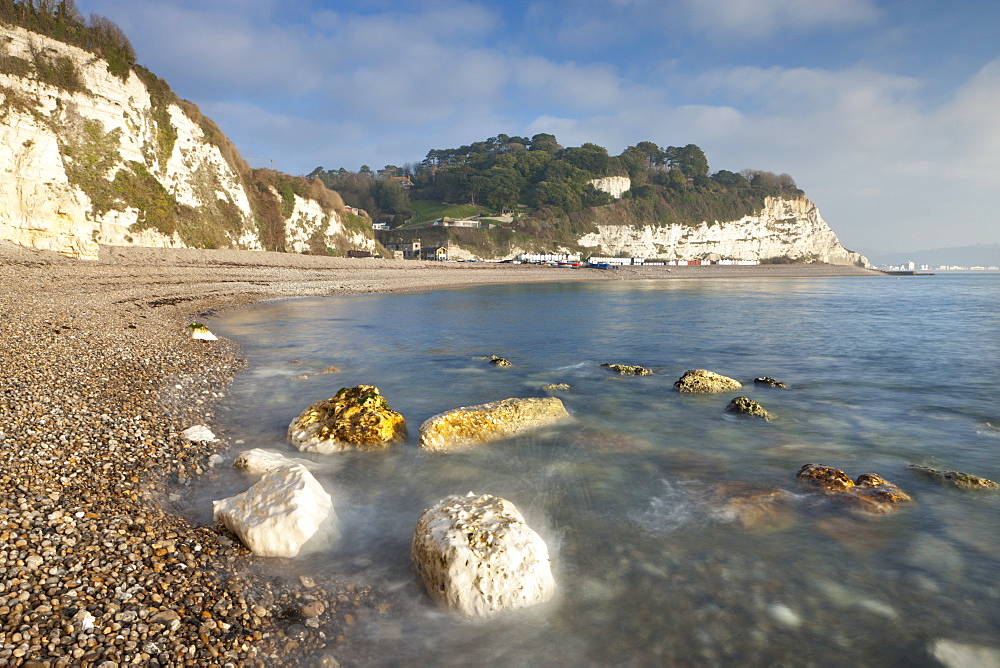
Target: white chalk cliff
784,227
106,159
616,186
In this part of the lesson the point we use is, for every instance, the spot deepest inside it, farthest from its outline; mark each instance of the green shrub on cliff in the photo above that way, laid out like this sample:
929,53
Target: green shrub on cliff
61,20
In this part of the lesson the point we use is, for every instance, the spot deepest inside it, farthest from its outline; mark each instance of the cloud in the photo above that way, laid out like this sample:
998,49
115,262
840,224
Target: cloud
308,84
757,19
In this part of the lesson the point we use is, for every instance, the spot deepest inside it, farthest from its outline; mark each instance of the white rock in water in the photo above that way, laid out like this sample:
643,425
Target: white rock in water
476,555
259,460
960,655
199,434
276,516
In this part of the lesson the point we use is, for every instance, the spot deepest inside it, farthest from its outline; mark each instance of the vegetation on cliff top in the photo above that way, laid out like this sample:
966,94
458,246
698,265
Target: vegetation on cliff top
94,164
547,189
61,20
538,178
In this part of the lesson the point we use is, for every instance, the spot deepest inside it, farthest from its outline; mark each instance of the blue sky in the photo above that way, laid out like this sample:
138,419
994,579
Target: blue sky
886,112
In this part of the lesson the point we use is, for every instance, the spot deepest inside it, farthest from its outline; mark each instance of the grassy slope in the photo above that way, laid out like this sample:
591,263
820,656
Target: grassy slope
428,210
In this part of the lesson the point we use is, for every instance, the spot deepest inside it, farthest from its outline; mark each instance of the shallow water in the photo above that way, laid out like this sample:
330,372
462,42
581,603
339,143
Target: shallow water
650,568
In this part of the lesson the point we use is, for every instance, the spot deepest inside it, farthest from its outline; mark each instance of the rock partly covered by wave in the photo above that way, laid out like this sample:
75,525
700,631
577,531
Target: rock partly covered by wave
870,492
627,369
474,425
748,407
957,479
477,556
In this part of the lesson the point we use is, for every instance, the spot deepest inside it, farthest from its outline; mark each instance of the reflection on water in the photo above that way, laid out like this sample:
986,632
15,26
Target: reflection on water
653,567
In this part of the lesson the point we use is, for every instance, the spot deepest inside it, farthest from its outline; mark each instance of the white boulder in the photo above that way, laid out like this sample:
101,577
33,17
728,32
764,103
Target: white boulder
200,332
476,555
276,516
259,460
199,434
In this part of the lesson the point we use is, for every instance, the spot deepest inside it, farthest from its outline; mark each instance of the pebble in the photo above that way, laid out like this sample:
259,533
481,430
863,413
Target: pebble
99,383
314,609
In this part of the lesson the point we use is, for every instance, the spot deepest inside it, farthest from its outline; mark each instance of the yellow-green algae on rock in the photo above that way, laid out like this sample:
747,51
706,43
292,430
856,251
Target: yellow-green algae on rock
356,418
474,425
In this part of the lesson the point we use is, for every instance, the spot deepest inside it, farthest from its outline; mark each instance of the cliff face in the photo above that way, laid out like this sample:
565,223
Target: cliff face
616,186
792,228
88,157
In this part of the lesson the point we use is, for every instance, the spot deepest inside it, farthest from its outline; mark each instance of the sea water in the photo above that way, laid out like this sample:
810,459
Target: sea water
881,373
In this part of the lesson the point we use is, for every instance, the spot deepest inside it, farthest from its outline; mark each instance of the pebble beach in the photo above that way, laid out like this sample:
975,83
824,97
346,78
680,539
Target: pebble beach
98,379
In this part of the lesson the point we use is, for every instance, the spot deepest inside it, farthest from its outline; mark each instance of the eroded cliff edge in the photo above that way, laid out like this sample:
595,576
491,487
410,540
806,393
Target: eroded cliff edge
91,157
783,228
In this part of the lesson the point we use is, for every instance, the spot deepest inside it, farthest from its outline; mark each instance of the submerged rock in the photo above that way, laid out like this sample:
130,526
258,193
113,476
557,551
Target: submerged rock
554,387
749,407
200,332
476,555
322,372
855,534
770,382
627,370
282,511
499,361
356,418
608,440
474,425
258,460
870,492
752,507
957,479
703,381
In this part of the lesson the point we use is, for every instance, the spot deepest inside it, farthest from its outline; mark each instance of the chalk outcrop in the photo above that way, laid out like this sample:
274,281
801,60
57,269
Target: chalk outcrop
277,516
117,159
478,557
790,228
476,425
616,186
356,418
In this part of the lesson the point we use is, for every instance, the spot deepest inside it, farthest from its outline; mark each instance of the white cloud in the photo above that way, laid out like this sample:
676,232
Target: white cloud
341,89
757,19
